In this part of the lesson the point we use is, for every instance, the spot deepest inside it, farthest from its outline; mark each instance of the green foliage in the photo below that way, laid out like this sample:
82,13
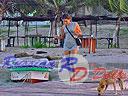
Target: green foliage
44,26
124,6
114,46
31,28
25,46
38,44
92,3
4,31
40,7
119,6
41,45
124,32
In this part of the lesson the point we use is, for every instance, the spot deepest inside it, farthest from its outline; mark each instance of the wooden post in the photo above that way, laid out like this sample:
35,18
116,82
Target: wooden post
8,28
17,33
36,29
2,44
26,34
92,45
8,42
90,28
96,35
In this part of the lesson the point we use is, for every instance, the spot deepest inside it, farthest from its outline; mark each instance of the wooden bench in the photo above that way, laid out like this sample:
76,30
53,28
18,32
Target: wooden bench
33,37
11,39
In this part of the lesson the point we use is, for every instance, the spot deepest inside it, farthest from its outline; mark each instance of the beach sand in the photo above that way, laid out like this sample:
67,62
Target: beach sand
107,58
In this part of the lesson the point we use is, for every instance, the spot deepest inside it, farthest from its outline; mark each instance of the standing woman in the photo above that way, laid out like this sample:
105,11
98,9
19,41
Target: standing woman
70,46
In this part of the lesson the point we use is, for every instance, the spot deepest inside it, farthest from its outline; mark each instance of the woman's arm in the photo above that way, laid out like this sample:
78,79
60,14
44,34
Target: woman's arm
77,30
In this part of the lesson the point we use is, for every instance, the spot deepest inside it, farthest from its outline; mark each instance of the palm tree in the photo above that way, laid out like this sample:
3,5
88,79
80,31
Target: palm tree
4,6
119,7
1,13
57,8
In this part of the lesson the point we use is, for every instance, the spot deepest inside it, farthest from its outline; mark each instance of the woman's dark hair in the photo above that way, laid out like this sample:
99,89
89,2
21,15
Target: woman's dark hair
66,16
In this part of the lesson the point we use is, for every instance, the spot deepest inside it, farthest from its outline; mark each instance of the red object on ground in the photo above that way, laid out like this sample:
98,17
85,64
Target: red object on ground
89,43
30,81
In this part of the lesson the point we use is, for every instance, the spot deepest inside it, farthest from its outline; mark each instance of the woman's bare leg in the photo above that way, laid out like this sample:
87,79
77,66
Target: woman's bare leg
66,52
74,51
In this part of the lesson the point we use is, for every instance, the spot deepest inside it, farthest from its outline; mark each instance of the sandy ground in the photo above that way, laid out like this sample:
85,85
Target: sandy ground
101,56
55,88
108,58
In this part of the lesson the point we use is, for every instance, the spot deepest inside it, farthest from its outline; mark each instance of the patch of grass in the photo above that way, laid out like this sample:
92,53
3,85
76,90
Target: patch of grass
25,46
124,32
51,47
46,26
111,31
40,26
38,44
30,29
5,31
41,45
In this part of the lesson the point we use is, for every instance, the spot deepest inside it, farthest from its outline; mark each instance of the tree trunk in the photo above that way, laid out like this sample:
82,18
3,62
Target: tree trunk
17,33
51,32
26,34
1,13
57,22
36,29
0,18
116,34
56,25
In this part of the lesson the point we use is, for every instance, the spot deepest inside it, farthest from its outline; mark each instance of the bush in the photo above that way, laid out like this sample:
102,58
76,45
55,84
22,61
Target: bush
37,44
25,46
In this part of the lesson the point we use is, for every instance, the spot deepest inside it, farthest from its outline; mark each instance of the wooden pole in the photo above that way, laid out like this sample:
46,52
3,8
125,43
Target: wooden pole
17,33
36,29
90,27
8,42
96,34
8,28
